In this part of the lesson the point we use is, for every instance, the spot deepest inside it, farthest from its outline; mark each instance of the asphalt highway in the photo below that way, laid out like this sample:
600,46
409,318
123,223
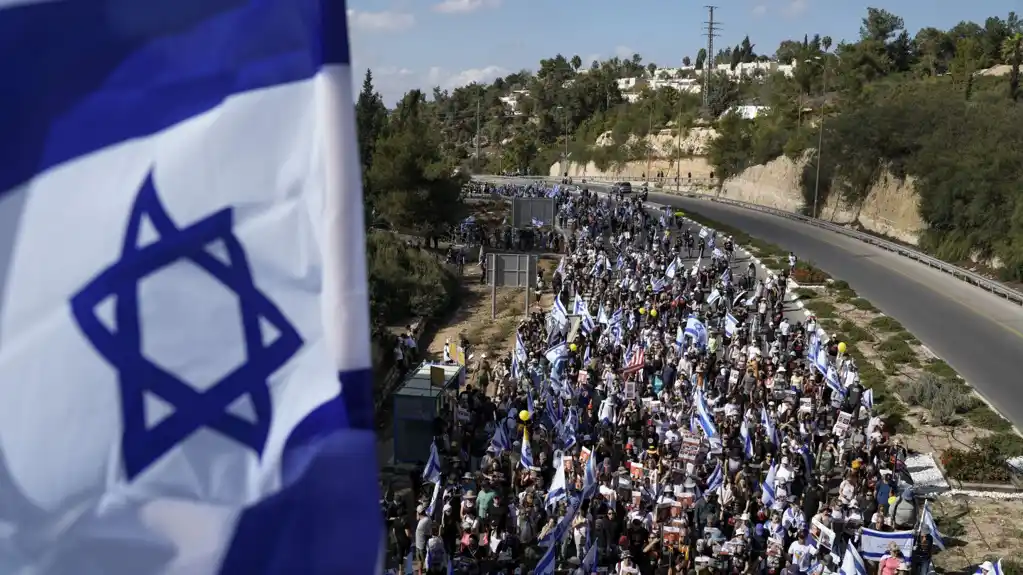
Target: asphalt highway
979,334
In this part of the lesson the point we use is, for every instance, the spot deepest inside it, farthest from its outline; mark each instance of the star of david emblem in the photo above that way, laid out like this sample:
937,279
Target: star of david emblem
121,344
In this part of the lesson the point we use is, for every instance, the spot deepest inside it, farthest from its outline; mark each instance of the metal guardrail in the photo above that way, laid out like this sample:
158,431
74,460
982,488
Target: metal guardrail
972,278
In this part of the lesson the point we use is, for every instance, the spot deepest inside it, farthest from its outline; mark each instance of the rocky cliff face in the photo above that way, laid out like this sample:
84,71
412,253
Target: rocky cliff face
890,209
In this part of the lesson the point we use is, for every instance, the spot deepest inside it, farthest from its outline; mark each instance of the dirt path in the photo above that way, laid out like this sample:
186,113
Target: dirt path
492,338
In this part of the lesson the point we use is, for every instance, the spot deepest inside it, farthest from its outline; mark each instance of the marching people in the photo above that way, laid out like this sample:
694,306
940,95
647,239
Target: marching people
669,413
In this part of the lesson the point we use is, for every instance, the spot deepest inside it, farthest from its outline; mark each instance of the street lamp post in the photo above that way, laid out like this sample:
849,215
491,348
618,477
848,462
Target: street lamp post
820,134
564,124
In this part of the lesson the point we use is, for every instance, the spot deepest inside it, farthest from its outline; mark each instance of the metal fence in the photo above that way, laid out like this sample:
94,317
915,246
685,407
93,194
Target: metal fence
973,278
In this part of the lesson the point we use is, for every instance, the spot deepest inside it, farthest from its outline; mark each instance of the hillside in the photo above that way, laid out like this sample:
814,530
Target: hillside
920,137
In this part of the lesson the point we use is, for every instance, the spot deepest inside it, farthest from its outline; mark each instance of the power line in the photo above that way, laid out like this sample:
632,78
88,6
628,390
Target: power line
712,28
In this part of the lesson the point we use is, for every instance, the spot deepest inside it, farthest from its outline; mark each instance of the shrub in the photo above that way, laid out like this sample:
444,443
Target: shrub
840,285
860,303
984,465
806,273
853,333
945,399
984,417
885,323
940,368
895,351
1007,444
405,281
949,526
821,309
806,293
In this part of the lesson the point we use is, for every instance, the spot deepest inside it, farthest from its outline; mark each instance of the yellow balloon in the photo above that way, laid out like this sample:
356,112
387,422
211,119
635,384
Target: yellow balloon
653,312
841,347
642,310
573,347
524,415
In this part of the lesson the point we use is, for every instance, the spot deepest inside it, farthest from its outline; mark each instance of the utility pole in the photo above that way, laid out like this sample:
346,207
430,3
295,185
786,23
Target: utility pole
477,162
820,134
650,144
712,29
678,152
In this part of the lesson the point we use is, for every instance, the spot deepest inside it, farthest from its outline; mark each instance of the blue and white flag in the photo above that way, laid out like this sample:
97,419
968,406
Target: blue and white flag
184,326
432,470
731,324
714,296
589,562
590,477
559,311
867,399
704,416
558,489
560,529
526,455
657,285
747,441
715,479
767,488
928,525
557,352
672,269
852,563
537,223
500,442
545,566
874,544
696,330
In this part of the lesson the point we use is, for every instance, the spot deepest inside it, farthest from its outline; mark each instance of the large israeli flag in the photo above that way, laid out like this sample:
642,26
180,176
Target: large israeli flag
182,280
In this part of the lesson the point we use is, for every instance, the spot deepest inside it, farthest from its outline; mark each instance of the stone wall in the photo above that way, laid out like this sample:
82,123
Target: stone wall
891,208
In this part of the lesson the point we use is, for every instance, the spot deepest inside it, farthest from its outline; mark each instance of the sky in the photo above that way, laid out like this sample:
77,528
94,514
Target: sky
449,43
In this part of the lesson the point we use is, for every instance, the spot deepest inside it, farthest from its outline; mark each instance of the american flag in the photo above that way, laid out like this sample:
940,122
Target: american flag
635,359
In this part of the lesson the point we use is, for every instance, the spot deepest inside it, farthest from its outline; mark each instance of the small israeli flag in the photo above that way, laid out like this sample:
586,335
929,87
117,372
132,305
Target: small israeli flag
928,524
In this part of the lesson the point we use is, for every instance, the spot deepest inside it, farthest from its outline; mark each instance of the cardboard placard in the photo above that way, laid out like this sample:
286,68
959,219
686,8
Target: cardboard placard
805,405
841,428
584,456
690,446
630,390
636,470
671,536
687,500
822,535
569,463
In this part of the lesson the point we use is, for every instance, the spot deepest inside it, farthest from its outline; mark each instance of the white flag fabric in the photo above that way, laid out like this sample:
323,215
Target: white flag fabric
852,563
184,335
874,544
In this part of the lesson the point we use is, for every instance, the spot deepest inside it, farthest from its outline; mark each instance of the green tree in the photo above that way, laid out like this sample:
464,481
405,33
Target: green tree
577,62
746,51
370,118
1011,54
735,58
701,58
686,61
415,190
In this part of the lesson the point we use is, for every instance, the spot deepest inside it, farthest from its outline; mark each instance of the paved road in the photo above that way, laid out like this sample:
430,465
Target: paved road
977,333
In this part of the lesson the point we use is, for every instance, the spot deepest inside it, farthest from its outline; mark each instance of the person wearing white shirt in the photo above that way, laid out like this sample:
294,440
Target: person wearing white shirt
800,553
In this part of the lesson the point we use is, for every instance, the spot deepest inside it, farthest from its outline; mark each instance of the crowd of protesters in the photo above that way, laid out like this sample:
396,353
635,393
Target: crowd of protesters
669,414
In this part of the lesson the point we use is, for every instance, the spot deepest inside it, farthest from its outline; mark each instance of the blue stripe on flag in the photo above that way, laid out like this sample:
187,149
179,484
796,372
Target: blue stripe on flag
149,65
